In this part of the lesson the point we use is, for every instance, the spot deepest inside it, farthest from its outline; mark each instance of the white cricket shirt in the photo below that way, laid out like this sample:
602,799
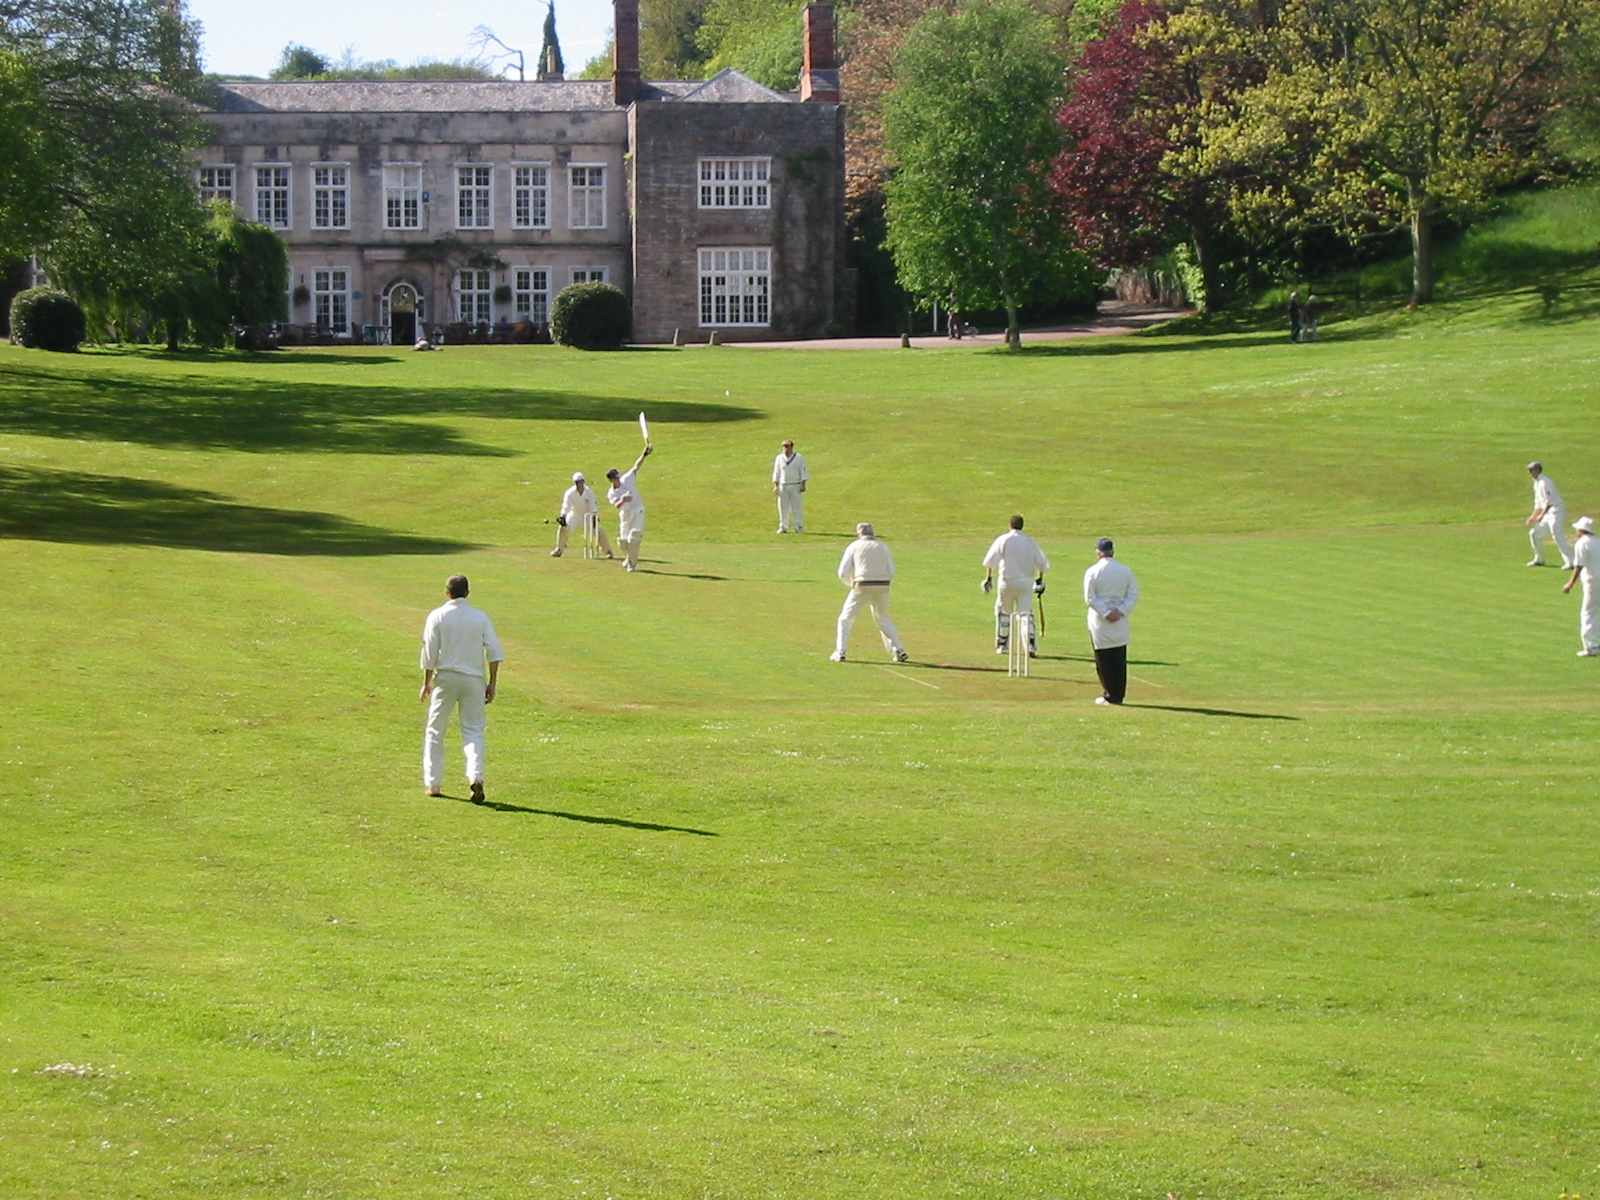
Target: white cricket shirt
575,504
1107,585
627,483
866,560
1017,557
456,637
1546,494
789,468
1584,555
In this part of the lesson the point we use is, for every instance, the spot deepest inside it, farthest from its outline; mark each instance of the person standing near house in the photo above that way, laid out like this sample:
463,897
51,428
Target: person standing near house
1547,516
623,495
1110,591
789,484
577,505
1585,561
457,639
1022,565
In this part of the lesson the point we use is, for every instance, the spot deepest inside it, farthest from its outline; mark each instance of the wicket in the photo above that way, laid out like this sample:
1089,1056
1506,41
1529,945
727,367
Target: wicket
591,535
1019,643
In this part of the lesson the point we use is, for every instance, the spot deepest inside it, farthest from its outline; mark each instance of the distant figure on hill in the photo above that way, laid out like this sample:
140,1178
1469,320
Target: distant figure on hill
456,639
867,568
1022,565
1547,517
1294,316
1110,592
1585,561
788,485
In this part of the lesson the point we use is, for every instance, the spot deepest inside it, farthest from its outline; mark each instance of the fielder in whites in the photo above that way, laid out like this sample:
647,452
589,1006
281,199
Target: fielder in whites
1585,562
1022,566
623,495
1548,516
578,504
1110,592
788,485
867,568
456,641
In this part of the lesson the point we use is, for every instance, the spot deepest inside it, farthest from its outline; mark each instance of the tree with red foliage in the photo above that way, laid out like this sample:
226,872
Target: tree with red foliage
1130,177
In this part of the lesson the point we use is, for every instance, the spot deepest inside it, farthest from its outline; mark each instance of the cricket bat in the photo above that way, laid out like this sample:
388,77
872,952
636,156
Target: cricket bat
644,428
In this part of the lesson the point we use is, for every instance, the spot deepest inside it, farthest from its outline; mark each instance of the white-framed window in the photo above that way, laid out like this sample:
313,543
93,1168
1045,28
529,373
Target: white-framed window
474,296
588,274
735,183
586,200
531,197
475,197
216,183
330,196
736,286
531,294
272,196
402,196
330,297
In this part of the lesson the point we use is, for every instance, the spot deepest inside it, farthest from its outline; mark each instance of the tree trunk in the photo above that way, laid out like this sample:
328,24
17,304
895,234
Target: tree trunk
1013,326
1205,258
1421,251
172,337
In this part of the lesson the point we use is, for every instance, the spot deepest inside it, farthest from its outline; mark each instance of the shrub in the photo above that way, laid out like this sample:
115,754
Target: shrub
591,316
43,318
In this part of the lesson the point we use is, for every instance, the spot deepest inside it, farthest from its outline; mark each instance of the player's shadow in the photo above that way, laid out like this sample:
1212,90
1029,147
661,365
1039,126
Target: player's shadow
75,507
1089,658
685,575
1215,712
585,818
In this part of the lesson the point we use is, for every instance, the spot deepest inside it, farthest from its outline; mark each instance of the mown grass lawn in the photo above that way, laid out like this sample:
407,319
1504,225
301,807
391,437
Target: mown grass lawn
1314,916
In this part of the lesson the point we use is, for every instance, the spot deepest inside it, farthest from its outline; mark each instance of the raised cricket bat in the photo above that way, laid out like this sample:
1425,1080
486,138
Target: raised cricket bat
644,428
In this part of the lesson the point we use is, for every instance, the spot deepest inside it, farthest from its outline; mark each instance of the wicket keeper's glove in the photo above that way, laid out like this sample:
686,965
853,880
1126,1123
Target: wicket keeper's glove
986,585
561,519
1038,587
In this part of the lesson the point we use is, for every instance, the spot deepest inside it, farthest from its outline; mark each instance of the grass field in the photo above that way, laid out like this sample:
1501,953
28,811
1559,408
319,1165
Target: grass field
1316,915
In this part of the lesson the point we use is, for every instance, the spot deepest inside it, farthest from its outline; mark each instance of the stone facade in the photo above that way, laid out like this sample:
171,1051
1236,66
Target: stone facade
408,206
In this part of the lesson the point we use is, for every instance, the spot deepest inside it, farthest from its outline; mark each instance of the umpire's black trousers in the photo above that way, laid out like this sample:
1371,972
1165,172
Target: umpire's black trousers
1111,664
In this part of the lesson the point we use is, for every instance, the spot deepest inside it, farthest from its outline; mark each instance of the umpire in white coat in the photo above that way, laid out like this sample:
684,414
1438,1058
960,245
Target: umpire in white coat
789,484
867,568
1022,565
579,503
456,640
1110,592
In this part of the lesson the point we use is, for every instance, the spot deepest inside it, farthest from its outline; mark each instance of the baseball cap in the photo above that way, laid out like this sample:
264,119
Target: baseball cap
1584,523
1536,465
1104,546
577,477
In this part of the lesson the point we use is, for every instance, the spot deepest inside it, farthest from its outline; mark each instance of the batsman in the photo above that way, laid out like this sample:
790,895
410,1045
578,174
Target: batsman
623,495
1021,565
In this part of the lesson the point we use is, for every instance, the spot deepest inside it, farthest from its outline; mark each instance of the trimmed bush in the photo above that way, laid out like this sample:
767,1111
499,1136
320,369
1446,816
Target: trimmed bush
43,318
591,316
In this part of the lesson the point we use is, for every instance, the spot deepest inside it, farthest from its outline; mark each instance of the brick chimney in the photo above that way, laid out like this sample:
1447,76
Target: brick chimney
819,77
625,69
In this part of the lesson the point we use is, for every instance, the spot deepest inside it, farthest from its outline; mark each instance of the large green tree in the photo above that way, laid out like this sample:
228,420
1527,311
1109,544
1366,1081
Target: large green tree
1380,114
971,137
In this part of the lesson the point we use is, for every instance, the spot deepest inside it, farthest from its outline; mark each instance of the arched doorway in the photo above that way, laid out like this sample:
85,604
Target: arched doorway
403,310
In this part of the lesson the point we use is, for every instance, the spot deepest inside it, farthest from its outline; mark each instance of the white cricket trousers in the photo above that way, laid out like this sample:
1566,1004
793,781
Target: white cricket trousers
1010,599
1589,615
451,690
875,597
790,502
630,533
1550,523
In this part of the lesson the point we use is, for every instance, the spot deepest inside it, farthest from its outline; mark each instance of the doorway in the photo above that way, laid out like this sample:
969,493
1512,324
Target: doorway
402,315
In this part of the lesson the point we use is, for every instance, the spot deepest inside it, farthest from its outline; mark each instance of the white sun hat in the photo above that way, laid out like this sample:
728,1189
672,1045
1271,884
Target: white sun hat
577,477
1586,524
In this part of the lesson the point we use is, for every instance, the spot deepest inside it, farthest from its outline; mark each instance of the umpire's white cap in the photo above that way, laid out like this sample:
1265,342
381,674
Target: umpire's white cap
1585,524
577,477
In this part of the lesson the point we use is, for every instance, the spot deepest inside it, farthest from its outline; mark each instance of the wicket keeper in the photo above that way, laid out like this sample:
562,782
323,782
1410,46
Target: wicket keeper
577,504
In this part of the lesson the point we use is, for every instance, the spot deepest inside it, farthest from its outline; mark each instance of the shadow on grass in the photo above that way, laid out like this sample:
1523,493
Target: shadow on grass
585,818
73,507
1089,658
1215,712
685,575
275,415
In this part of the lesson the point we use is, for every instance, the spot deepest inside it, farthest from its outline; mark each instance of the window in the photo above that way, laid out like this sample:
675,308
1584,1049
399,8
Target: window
734,287
402,196
532,294
588,274
586,207
330,197
473,194
474,297
532,198
331,295
216,183
272,197
735,183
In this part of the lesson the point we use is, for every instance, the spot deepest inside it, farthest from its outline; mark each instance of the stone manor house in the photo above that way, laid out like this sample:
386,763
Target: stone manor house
408,206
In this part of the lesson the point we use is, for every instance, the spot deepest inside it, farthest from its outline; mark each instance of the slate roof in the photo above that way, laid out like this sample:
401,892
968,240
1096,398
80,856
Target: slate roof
440,96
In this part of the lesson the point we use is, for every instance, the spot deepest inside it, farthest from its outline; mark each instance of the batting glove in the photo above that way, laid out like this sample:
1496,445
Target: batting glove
987,585
1038,587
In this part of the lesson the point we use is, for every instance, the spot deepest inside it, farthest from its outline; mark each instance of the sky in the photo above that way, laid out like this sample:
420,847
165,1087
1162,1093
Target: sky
245,37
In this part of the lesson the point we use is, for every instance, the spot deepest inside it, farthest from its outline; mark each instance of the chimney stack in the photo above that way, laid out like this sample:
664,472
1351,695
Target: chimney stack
819,78
625,68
